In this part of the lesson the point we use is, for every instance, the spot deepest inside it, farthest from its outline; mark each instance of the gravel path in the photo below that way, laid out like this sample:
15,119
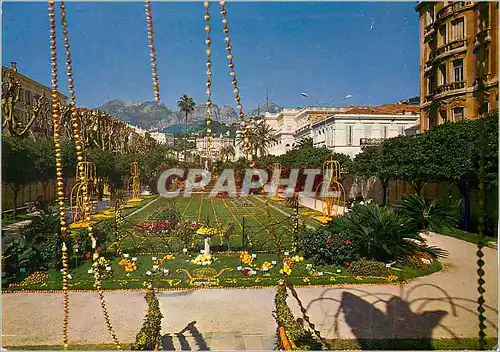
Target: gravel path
439,305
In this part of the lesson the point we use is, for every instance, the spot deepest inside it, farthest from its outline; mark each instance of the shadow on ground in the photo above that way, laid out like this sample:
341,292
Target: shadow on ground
188,339
395,321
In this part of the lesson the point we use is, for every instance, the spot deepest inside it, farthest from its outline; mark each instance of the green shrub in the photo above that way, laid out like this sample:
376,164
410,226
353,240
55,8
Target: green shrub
368,268
424,214
149,336
303,339
379,233
326,247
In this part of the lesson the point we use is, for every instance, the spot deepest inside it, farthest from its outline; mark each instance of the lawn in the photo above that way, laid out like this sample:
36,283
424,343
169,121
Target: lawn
255,227
248,218
227,271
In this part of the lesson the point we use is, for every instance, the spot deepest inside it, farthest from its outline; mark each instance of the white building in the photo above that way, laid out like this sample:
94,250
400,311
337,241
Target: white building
292,125
216,144
342,129
347,132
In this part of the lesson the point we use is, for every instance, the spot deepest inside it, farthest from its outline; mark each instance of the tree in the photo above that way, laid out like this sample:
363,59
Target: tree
424,214
18,168
304,143
373,162
186,104
410,162
44,161
226,152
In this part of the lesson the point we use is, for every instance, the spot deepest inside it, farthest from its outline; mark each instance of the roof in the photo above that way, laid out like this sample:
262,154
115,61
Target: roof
386,109
32,81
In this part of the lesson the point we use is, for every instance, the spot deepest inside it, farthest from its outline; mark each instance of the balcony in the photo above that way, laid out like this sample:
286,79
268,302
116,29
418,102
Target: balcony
450,87
483,37
370,141
453,8
428,32
449,48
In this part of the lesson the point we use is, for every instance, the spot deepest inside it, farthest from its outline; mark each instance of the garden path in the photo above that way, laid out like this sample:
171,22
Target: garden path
442,305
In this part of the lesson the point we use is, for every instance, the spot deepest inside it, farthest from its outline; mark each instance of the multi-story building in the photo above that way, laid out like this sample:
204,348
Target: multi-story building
347,132
31,91
292,125
458,41
216,144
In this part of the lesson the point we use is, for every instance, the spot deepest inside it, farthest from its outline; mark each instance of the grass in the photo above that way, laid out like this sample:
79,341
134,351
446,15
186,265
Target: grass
306,215
337,344
411,344
223,272
467,236
252,219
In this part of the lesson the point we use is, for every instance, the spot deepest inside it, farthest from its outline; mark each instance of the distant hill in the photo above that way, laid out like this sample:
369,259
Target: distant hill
273,108
152,116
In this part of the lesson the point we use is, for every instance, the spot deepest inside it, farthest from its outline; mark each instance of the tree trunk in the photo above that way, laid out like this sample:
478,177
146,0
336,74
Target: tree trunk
44,186
417,187
16,193
385,184
185,136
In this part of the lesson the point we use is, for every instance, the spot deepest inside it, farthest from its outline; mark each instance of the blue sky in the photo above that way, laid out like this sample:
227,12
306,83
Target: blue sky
328,50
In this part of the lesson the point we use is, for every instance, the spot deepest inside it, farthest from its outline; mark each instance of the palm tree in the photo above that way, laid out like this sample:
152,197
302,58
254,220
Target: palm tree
186,104
261,135
427,215
227,152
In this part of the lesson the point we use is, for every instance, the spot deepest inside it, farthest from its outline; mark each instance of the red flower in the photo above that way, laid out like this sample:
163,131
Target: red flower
328,241
348,241
98,249
347,265
87,255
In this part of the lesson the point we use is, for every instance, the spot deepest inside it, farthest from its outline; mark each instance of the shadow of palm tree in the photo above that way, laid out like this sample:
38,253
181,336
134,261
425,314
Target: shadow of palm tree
368,323
407,317
183,339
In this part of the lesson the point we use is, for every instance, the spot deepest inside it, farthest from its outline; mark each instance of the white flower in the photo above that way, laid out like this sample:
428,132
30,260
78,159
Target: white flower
148,272
361,203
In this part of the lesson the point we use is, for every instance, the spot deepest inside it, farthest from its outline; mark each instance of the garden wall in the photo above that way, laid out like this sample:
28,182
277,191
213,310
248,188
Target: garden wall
445,192
31,192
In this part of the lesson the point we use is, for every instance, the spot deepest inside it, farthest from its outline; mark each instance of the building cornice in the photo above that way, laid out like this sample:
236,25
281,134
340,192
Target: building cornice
32,81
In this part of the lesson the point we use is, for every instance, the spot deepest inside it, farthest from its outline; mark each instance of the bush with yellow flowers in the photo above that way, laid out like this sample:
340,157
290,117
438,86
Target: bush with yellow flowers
267,266
203,259
128,265
246,258
162,261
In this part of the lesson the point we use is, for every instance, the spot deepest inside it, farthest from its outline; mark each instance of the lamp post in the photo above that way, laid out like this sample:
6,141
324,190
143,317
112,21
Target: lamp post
347,96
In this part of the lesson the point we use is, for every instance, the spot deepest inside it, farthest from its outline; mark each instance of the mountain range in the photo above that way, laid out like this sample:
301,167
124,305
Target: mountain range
153,116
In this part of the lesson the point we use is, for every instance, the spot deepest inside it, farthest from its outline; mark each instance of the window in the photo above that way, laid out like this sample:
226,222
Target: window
443,116
368,131
484,17
458,70
383,132
21,95
349,135
442,74
430,15
442,32
458,114
27,96
401,130
432,121
458,29
431,84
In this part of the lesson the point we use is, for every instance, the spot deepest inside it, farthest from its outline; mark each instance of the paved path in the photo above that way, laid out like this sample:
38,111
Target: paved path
439,305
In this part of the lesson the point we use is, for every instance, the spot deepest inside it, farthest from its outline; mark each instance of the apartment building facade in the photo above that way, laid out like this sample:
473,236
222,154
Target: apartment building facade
458,41
30,93
350,131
